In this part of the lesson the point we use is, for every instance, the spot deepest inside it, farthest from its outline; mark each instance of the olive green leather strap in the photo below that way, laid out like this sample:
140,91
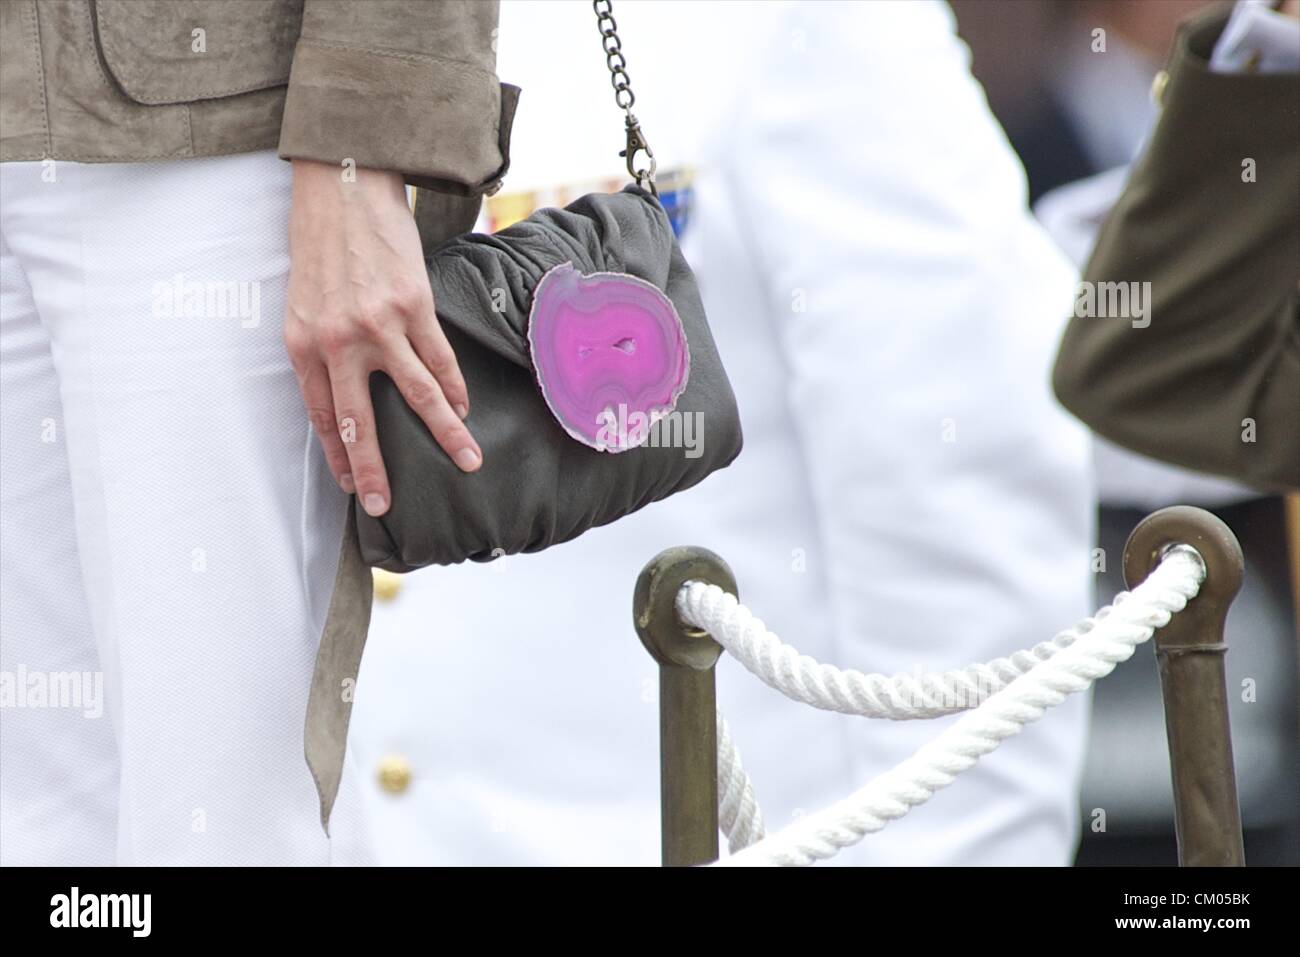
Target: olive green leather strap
338,660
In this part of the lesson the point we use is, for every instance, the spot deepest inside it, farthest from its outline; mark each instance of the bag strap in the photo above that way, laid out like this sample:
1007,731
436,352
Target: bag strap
624,97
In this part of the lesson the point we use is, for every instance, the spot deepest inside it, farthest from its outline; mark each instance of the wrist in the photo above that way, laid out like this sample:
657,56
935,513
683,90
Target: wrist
316,174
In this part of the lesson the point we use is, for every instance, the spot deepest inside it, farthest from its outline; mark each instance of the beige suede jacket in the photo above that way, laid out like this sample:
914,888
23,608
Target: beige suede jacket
402,85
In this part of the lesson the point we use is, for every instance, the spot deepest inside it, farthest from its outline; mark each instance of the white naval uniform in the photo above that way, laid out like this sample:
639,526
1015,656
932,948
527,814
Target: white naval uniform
909,496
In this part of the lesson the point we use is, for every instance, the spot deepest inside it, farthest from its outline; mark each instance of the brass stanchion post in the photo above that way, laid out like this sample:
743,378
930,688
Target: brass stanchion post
1190,652
688,730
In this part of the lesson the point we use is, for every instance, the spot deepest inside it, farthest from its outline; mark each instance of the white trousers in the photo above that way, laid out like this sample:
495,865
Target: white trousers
170,529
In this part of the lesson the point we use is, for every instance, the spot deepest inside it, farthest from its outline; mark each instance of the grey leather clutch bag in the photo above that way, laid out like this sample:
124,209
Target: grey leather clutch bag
538,485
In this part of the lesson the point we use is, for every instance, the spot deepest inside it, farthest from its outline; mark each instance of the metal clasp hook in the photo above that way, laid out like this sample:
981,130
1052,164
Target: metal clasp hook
636,143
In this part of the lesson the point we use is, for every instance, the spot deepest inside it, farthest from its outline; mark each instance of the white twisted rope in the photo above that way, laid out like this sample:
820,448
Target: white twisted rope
1083,654
804,679
739,815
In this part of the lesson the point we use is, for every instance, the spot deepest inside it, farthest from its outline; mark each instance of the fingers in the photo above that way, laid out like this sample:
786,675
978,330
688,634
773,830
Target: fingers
425,395
355,419
435,352
314,383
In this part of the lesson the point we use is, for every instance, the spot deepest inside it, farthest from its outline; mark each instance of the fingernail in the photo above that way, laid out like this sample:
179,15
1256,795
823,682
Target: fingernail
347,484
373,504
461,410
467,459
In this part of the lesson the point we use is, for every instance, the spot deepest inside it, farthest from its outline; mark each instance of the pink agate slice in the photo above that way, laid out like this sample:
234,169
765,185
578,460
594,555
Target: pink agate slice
610,355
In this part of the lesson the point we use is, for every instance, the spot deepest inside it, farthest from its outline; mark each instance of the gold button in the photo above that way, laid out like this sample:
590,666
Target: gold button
394,773
1158,87
387,585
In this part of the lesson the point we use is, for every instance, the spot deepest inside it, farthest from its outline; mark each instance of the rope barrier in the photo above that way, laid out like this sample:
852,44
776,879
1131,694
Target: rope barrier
1000,697
802,678
739,816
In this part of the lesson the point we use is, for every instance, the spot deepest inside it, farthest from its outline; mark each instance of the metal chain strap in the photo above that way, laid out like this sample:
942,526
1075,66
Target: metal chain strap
624,97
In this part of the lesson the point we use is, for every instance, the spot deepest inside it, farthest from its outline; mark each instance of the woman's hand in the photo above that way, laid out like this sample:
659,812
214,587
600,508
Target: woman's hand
359,300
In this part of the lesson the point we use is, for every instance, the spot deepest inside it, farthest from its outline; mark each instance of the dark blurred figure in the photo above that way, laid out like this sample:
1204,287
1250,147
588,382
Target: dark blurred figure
1068,111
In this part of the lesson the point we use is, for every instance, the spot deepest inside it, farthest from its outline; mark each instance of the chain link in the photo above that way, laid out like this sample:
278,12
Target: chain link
614,58
624,97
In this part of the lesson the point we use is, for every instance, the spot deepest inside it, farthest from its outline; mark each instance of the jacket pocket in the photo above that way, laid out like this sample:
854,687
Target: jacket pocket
178,51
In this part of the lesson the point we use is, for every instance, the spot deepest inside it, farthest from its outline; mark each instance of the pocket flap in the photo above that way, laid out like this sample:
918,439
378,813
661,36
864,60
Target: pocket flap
179,51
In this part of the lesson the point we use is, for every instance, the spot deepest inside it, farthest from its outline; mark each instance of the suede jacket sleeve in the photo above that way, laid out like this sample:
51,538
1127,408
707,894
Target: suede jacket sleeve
403,85
1211,219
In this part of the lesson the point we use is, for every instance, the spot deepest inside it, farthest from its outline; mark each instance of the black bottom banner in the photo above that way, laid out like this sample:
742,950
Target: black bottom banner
915,907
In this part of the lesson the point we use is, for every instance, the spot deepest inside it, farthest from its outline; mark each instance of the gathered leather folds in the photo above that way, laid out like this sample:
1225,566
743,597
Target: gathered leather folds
538,486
